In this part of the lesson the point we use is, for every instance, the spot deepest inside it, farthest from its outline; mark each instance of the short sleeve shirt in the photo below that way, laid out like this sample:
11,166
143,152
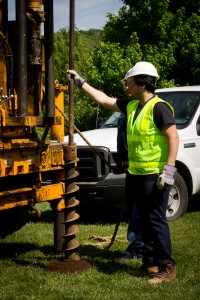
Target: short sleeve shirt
163,115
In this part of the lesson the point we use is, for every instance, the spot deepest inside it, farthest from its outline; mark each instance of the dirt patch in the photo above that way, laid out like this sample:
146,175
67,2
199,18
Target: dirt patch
68,266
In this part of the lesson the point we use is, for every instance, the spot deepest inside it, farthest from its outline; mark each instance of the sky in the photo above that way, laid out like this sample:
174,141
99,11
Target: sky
88,13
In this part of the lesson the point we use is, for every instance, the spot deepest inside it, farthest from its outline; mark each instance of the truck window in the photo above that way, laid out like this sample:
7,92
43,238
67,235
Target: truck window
184,104
112,121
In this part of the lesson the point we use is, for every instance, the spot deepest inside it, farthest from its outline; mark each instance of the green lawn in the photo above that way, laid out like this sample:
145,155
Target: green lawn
24,255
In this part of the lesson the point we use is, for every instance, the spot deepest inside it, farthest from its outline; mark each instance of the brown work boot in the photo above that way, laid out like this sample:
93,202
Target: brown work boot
167,273
143,271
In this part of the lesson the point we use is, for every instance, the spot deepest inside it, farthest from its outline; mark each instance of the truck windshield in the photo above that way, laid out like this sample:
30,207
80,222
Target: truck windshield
112,121
184,103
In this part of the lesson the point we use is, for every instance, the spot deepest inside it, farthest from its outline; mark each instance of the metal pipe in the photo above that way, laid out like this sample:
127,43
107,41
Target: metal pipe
4,16
49,58
71,66
22,57
4,30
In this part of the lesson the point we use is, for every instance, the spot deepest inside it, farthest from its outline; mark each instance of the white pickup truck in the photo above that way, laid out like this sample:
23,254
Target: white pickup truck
96,180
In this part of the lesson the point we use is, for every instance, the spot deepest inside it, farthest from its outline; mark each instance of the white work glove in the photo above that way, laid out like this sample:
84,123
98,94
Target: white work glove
78,80
167,177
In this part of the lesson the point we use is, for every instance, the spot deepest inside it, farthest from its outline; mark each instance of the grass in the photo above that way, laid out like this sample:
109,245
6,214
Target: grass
24,255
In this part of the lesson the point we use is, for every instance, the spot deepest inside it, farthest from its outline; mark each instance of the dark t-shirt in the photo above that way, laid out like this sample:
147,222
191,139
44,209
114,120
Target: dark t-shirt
162,113
122,147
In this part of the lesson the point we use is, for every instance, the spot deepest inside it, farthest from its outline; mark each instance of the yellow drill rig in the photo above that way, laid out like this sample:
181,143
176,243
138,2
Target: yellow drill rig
33,169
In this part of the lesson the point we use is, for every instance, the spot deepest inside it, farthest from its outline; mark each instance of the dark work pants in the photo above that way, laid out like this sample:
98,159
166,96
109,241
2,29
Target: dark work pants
134,234
152,205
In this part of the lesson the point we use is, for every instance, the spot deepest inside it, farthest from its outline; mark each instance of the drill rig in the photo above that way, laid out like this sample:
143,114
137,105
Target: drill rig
33,169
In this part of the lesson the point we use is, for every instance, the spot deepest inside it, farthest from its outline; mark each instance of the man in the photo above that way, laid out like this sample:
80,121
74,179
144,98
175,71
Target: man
152,148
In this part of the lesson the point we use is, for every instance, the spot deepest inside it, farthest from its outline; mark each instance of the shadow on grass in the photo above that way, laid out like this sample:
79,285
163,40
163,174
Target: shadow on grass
46,217
26,254
102,260
21,254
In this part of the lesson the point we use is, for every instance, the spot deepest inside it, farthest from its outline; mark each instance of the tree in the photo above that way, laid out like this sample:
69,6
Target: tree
108,64
85,42
61,57
168,35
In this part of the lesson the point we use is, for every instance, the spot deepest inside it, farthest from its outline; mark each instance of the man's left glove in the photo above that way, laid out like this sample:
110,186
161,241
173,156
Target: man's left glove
78,80
167,176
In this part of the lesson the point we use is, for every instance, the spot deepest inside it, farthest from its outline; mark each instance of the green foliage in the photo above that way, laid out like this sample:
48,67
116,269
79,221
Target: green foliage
85,42
109,63
167,33
136,16
106,68
85,112
61,50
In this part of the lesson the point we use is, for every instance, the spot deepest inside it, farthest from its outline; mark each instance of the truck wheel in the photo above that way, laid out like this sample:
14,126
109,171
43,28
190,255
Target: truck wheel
178,199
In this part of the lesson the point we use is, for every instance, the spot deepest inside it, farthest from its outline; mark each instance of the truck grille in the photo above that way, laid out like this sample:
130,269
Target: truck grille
90,166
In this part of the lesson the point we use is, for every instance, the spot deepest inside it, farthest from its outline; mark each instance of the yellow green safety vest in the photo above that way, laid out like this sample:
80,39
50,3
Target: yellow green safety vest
147,146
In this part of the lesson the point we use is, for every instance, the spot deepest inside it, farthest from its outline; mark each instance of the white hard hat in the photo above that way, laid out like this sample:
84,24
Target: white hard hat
142,68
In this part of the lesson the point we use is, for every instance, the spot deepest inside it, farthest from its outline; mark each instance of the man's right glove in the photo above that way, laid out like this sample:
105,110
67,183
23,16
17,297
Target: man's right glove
78,80
167,176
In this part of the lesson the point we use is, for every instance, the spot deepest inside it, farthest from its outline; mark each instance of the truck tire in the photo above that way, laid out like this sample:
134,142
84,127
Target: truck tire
178,199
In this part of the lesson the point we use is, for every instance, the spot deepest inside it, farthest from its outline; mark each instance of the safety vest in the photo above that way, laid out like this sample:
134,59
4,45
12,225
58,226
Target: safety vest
147,146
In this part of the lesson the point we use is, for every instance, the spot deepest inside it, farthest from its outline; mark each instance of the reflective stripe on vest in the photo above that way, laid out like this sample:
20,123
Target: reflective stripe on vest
147,146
